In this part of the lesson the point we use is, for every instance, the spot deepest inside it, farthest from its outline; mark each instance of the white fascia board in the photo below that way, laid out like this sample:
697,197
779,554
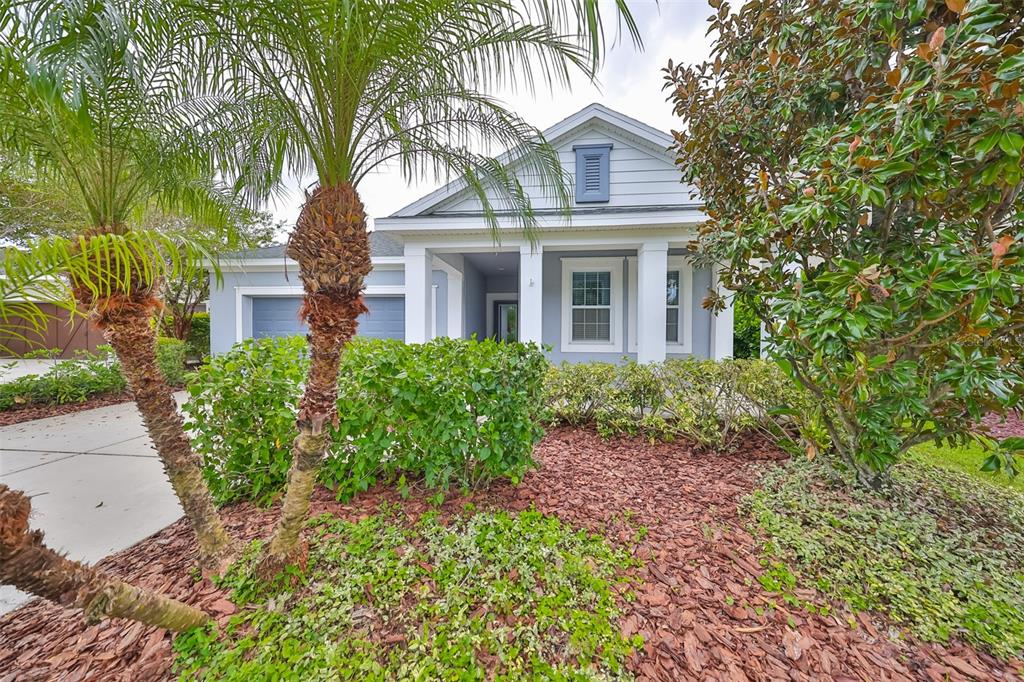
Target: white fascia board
279,264
623,220
677,236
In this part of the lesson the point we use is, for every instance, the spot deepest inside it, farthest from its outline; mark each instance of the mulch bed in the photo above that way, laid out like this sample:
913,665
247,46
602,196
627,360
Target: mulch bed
694,607
27,413
1004,427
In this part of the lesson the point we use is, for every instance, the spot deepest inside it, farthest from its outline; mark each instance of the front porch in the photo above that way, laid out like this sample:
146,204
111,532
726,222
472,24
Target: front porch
586,297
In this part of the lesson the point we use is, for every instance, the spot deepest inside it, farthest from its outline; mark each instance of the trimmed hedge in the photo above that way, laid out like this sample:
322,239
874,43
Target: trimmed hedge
77,379
450,412
709,402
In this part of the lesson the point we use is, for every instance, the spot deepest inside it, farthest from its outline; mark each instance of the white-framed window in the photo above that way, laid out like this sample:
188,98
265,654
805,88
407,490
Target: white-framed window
678,305
592,305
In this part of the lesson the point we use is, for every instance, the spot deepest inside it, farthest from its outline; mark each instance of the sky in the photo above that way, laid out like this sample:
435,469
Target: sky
630,81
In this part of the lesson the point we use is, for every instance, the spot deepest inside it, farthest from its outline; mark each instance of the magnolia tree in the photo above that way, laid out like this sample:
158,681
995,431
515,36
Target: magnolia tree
860,162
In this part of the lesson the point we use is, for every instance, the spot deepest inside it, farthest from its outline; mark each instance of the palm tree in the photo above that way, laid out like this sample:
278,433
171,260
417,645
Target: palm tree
91,101
28,564
338,88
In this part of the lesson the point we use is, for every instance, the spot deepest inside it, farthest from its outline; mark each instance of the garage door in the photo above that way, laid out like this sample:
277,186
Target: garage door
279,316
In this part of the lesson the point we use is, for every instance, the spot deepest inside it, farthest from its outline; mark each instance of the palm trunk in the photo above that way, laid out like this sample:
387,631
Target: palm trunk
332,248
126,326
31,566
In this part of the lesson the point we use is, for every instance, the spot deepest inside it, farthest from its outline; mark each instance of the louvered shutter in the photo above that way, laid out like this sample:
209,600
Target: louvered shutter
592,170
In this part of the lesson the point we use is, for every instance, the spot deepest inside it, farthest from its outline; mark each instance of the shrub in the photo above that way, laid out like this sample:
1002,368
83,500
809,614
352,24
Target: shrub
241,415
73,380
575,392
170,356
198,341
709,402
746,340
448,412
939,551
77,379
880,237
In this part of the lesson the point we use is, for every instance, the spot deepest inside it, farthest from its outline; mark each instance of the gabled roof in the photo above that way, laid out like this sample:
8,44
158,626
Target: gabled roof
639,132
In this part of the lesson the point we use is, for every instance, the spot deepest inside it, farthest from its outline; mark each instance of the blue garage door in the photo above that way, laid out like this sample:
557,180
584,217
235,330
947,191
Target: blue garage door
279,316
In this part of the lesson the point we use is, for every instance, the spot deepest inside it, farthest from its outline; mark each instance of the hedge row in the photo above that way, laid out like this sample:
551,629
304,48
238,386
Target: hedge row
448,413
709,402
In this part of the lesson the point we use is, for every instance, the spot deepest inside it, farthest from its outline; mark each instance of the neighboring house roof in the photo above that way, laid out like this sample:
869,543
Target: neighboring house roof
381,246
654,141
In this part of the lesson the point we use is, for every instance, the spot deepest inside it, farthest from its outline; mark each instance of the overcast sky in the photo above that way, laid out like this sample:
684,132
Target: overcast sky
630,82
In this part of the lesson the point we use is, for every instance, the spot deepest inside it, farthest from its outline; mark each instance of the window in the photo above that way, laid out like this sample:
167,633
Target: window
678,305
592,171
592,306
592,299
672,307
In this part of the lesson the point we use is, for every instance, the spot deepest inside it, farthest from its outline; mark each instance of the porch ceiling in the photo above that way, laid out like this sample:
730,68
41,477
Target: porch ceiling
490,264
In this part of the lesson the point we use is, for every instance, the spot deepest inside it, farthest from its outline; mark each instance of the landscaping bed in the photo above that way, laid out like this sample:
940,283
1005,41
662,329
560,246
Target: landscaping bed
31,412
698,604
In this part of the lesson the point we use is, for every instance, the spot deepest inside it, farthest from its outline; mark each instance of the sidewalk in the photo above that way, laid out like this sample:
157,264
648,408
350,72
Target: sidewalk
96,483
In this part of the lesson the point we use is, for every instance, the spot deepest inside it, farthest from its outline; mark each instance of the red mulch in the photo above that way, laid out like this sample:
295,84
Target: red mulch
696,556
1004,427
27,413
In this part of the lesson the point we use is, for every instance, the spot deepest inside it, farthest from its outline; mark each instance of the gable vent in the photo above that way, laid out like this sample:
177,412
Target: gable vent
592,171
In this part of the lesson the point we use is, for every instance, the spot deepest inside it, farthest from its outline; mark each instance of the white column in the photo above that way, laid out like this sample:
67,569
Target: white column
454,306
652,273
419,294
531,268
721,324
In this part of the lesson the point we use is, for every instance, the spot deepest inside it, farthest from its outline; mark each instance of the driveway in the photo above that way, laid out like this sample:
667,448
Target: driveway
96,483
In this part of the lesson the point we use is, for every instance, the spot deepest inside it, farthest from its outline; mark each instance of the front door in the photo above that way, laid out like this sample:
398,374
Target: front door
508,321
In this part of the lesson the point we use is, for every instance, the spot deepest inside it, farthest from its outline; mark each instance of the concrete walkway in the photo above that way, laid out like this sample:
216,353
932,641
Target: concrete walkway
96,483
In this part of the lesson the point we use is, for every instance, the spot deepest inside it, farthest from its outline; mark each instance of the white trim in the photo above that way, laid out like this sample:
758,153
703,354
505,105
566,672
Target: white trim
679,218
722,322
612,265
292,291
490,300
455,284
531,290
685,267
281,264
678,237
433,318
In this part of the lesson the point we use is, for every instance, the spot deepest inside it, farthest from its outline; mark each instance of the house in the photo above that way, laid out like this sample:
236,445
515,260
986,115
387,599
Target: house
612,280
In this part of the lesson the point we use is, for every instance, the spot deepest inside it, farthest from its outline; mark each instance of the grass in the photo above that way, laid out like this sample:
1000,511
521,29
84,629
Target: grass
968,460
936,551
484,596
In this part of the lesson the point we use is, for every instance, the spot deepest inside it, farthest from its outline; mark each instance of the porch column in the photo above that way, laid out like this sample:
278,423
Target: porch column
419,294
652,273
531,267
721,324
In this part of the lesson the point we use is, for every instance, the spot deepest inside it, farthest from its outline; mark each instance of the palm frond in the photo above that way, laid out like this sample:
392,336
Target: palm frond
339,88
105,265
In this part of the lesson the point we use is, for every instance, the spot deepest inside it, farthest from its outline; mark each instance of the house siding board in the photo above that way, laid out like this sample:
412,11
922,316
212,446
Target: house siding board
637,177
